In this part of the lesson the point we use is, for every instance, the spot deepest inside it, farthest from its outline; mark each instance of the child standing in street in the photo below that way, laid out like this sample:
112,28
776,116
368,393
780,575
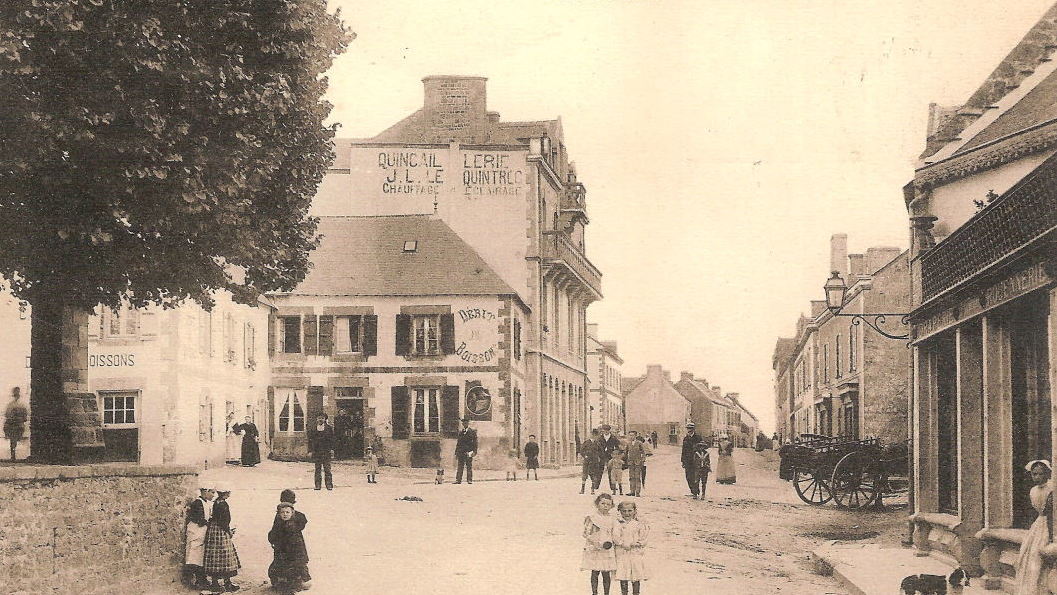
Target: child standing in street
702,467
615,466
289,569
598,550
629,536
511,465
372,465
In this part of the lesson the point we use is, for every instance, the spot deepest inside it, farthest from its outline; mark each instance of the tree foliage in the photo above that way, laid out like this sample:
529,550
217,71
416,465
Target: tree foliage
159,150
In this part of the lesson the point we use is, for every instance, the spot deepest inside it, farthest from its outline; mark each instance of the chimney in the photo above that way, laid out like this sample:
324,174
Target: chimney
687,376
455,103
668,375
493,117
939,115
733,396
856,266
654,371
817,307
838,254
717,390
878,257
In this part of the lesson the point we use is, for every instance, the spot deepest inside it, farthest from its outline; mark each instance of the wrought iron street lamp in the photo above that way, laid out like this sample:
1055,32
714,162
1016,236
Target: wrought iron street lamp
836,292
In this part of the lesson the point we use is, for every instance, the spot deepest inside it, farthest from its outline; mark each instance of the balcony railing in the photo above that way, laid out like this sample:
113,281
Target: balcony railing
558,250
1024,214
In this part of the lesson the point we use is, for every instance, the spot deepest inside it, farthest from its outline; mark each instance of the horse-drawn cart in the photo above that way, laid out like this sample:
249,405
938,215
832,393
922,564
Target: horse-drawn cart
853,474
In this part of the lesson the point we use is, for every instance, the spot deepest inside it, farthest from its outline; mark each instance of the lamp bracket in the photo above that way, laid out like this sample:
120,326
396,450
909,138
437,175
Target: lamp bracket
875,321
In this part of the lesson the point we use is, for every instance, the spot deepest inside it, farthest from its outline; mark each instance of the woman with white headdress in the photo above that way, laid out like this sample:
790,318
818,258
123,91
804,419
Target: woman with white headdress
198,514
1029,564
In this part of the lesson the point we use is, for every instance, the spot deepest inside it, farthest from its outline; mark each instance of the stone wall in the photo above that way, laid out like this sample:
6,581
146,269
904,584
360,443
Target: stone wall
92,529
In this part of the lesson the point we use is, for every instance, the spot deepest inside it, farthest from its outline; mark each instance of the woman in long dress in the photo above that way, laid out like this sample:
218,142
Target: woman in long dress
251,452
231,439
725,472
1029,563
221,561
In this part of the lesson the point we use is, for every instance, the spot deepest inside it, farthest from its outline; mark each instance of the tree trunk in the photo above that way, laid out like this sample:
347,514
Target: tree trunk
59,361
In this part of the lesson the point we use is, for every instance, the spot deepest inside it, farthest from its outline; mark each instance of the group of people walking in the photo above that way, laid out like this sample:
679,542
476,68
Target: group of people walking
603,453
697,464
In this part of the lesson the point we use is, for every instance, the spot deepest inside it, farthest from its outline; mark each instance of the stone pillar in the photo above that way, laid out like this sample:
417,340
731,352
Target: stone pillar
998,426
925,482
970,446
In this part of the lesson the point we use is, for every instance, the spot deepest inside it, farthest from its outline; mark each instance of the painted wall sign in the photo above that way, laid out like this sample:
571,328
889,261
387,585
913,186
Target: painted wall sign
410,172
111,360
491,174
477,335
478,401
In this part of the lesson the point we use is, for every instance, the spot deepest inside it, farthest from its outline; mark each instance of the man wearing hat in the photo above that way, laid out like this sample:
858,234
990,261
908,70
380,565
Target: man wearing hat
689,443
198,514
465,448
321,443
609,442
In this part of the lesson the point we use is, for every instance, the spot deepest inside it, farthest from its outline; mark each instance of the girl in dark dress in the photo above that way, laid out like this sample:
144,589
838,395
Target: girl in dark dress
251,452
221,559
289,569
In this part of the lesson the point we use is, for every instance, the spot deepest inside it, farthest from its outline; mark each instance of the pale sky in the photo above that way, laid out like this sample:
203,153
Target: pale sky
722,142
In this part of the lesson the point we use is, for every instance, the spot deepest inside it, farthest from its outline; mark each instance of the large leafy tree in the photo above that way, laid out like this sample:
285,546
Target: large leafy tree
154,151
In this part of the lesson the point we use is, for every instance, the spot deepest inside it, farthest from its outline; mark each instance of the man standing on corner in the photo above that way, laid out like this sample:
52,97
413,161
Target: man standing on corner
689,442
465,448
321,449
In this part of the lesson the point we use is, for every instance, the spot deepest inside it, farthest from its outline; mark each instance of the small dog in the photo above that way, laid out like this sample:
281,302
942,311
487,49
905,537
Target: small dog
440,476
934,584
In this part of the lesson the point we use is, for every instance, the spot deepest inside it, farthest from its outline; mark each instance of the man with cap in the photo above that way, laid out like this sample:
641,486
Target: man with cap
321,443
198,514
465,448
689,443
609,442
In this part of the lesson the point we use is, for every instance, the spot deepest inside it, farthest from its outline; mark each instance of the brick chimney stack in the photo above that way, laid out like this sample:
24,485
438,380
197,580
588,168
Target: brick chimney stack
686,376
838,254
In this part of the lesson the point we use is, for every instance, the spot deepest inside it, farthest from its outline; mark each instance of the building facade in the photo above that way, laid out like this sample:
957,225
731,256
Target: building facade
654,405
606,403
983,212
707,407
402,326
837,377
511,192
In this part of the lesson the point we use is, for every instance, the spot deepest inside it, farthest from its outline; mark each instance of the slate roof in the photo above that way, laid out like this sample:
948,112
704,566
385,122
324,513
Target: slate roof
1036,107
365,256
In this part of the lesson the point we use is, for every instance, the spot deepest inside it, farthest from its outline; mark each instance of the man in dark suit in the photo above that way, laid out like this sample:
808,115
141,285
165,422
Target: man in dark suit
465,448
321,443
610,443
689,442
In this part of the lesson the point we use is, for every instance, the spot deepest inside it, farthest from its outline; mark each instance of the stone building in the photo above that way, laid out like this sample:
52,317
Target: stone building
983,212
653,404
511,192
404,327
707,406
783,387
169,383
748,423
840,378
606,402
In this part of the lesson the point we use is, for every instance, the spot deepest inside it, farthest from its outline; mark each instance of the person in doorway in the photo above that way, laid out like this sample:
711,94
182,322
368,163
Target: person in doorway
1030,578
635,458
465,448
321,449
343,434
15,417
599,557
590,460
198,514
251,450
221,560
702,467
725,471
687,459
372,465
289,568
532,458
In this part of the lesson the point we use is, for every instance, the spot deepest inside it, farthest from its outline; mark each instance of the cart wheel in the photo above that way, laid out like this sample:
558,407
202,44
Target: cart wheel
811,488
855,481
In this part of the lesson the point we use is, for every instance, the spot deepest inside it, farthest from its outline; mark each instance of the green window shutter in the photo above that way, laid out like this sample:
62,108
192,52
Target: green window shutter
401,399
311,346
326,335
447,333
314,406
403,334
370,335
449,411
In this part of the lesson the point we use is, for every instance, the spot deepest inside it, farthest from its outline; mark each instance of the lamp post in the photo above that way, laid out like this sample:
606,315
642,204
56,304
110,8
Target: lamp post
836,291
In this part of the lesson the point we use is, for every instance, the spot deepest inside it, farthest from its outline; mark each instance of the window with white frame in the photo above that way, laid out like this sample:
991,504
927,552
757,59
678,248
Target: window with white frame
290,411
122,322
426,334
348,334
425,414
119,409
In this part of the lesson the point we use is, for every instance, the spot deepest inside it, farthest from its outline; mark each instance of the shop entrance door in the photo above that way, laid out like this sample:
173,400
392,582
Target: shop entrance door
348,426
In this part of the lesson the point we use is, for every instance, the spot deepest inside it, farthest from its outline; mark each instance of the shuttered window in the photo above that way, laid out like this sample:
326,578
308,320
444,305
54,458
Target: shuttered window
425,415
449,409
426,335
348,334
291,334
400,401
291,417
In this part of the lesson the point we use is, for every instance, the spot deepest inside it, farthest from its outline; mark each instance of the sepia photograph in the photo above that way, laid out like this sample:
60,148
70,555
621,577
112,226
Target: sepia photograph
567,297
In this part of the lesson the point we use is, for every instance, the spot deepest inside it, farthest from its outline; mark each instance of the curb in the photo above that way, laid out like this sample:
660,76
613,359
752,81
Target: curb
824,567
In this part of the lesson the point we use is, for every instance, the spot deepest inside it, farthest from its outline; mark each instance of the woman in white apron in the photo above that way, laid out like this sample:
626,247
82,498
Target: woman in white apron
198,514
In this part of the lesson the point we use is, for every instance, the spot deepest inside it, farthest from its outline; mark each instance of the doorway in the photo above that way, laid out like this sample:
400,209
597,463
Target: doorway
348,424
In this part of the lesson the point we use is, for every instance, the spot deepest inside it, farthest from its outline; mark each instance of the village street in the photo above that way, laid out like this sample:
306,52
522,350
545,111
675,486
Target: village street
524,537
